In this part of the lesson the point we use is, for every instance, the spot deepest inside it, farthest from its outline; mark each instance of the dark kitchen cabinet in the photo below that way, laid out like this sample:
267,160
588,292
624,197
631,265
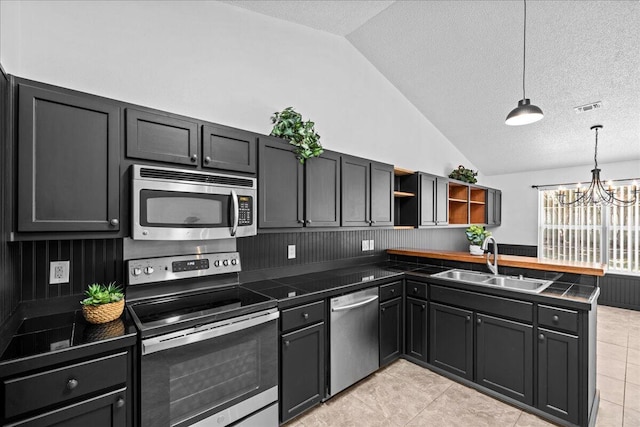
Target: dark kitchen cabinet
434,192
162,136
416,329
228,149
504,357
558,371
494,206
451,339
68,161
367,193
391,326
291,194
302,360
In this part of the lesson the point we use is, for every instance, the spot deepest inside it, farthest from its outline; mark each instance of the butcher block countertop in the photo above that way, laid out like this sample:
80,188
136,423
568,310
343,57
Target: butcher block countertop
592,269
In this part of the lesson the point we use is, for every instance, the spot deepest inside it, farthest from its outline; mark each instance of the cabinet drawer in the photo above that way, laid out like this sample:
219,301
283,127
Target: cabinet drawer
392,290
46,388
302,316
416,289
558,318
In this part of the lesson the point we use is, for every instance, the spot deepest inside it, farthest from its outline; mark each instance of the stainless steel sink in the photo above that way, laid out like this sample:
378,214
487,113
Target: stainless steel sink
523,284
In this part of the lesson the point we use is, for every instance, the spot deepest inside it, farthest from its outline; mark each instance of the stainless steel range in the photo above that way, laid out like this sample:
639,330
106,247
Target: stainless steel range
209,354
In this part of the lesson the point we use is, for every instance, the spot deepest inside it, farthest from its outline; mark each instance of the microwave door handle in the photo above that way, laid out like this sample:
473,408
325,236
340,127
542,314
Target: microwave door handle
236,213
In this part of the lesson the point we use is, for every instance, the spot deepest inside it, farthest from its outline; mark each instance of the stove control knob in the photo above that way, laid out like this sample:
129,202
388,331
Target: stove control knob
216,263
148,270
225,262
136,271
234,261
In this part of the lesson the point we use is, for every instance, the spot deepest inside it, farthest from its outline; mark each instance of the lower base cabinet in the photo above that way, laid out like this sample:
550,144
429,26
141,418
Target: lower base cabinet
451,339
416,329
391,330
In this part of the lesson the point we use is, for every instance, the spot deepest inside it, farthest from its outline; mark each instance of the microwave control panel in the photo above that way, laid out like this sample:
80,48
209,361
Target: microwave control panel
245,210
181,267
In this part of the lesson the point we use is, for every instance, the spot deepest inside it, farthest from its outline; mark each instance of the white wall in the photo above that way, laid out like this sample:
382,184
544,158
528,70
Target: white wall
224,64
520,201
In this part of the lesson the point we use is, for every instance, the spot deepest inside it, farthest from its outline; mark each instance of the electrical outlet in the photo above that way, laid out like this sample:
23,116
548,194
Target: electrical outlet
291,251
365,245
58,272
371,245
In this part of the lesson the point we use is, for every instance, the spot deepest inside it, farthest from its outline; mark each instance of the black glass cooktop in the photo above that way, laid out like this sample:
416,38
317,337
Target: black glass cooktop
176,309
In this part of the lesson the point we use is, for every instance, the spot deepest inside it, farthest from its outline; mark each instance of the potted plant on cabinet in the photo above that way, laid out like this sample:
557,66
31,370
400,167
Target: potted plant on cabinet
476,235
288,124
464,174
103,303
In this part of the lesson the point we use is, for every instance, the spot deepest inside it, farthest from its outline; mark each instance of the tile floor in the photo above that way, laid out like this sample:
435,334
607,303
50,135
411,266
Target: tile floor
404,394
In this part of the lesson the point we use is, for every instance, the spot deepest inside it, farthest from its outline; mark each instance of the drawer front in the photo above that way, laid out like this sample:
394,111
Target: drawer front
489,304
416,289
302,316
558,318
390,291
40,390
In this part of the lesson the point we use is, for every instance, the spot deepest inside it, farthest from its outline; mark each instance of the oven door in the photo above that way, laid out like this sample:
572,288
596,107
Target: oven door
164,210
220,372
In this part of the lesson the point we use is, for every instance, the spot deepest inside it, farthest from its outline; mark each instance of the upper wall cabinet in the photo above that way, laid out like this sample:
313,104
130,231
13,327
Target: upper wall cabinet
68,161
494,207
292,195
367,192
165,137
434,192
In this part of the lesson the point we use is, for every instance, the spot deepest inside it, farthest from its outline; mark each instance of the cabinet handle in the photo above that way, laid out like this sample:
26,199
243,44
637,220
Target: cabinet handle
479,321
383,309
372,222
72,383
555,319
300,221
194,157
468,318
415,290
305,316
424,306
119,402
308,221
114,222
541,337
286,343
207,160
393,291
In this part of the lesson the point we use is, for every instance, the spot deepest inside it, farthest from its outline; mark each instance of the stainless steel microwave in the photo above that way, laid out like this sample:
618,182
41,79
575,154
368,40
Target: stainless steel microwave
179,204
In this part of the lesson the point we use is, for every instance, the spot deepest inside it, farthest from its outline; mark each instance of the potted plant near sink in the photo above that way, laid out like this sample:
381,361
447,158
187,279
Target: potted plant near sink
476,235
103,303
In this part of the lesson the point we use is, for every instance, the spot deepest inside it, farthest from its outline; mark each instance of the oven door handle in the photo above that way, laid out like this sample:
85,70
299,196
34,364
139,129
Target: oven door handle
236,213
165,342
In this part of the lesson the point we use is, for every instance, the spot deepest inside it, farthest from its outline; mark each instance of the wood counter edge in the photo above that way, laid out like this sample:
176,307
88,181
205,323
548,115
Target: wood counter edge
506,261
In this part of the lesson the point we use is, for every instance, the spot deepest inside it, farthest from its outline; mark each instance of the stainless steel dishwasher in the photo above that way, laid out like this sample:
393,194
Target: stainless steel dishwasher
354,338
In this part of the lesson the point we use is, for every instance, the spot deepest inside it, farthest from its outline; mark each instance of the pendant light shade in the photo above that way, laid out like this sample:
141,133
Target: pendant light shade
525,112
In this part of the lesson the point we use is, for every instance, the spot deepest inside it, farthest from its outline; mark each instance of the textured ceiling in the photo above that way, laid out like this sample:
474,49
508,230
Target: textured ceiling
460,64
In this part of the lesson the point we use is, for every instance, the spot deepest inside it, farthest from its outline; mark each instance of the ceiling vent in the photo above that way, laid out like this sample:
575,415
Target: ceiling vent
588,107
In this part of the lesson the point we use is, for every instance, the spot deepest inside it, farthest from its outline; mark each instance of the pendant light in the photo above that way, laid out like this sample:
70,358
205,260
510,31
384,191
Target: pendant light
525,112
597,192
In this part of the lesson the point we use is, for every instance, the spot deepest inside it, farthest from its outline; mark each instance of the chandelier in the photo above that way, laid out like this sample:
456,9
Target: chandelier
597,192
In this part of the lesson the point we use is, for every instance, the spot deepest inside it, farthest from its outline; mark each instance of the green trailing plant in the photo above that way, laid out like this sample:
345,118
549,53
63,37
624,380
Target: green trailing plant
98,294
464,174
476,234
288,124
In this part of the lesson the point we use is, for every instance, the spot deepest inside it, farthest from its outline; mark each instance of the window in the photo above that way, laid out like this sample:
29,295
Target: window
592,233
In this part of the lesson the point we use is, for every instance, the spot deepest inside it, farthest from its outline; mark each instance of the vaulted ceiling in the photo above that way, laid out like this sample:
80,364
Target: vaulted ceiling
460,64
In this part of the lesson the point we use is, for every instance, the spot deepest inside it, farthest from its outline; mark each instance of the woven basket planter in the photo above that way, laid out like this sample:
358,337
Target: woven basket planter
103,313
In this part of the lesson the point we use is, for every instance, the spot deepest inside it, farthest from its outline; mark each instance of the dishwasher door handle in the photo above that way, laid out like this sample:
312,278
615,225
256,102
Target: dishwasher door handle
356,305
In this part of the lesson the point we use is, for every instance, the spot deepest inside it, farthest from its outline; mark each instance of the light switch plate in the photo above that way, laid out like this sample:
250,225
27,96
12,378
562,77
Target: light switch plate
58,272
371,245
365,245
291,251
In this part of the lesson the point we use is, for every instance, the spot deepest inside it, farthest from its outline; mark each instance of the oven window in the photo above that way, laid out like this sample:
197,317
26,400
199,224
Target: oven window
170,209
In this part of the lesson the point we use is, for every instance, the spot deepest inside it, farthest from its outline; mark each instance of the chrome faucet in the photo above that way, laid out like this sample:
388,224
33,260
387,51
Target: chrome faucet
485,245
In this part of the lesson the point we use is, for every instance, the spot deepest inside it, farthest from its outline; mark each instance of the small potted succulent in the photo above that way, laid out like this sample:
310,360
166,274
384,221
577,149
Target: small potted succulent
464,174
103,303
288,124
476,235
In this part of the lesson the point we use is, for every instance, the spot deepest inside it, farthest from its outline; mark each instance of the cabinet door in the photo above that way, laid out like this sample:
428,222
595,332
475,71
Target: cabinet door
416,329
442,201
68,162
451,339
162,137
381,194
558,374
302,370
497,208
280,185
355,192
427,200
391,330
494,206
107,410
504,357
229,149
322,190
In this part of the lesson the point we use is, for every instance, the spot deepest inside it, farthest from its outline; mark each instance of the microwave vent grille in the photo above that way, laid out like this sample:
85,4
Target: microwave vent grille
176,175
